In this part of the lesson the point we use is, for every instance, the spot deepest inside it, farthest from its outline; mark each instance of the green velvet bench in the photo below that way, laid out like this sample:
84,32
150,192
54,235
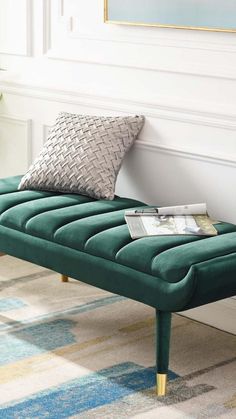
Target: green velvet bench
88,240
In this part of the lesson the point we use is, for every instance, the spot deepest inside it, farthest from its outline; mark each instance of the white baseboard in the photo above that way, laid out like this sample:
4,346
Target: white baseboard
221,314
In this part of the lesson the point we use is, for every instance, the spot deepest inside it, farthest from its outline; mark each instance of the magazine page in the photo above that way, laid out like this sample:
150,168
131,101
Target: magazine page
190,209
145,225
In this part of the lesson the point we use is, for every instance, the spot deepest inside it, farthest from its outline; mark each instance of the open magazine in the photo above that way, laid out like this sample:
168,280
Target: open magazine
183,219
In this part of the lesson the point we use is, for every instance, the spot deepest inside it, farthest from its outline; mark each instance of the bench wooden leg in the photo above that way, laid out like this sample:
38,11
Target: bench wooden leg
64,278
163,331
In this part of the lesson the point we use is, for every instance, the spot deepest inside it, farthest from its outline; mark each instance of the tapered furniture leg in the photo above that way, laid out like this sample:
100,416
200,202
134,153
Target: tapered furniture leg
64,278
163,331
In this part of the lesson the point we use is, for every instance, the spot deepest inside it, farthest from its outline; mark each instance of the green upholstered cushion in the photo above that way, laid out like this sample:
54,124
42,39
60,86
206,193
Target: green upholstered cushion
170,272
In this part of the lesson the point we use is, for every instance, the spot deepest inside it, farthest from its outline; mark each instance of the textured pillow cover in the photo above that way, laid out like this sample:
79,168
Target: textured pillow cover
83,154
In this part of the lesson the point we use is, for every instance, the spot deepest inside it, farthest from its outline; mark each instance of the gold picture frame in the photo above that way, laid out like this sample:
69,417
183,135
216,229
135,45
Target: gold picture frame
119,22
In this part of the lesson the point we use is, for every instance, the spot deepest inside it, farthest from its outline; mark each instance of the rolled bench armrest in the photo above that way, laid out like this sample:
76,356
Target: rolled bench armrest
215,279
174,264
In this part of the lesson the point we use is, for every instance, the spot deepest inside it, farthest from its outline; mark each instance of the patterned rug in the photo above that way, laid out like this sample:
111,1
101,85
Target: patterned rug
69,350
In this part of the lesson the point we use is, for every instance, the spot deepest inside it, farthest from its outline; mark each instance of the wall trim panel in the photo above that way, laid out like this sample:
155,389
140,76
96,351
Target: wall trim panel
29,33
27,125
196,70
134,39
153,110
174,151
46,26
187,153
153,40
45,130
160,110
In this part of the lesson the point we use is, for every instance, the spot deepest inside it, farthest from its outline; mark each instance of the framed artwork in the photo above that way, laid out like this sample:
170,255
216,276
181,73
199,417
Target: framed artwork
208,15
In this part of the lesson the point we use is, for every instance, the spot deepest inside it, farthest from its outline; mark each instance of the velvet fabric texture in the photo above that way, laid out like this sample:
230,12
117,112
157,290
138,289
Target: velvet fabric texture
89,240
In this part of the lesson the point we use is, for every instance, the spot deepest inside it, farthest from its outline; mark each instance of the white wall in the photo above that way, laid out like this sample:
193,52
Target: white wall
61,56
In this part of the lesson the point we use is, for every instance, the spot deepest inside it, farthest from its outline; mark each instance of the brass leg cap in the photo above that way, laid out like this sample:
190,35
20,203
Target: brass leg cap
64,278
161,384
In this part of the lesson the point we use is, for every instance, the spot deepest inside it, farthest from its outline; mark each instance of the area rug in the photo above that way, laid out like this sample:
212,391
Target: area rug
69,350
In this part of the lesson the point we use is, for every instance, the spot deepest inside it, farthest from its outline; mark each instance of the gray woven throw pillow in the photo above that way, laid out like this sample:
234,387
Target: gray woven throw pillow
83,154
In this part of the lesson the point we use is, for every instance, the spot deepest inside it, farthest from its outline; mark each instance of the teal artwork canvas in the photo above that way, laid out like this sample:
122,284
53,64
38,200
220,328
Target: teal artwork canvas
215,15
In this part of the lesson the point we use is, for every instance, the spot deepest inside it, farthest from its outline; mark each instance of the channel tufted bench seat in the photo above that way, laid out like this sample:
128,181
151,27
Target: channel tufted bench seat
89,240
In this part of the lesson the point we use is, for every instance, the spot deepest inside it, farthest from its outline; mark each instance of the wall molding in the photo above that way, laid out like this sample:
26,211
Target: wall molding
162,110
184,152
45,130
27,124
46,26
29,33
197,70
157,40
67,20
156,147
152,110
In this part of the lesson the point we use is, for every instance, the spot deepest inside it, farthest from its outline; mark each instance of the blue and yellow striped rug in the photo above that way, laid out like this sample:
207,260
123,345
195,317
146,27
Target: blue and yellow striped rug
69,350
